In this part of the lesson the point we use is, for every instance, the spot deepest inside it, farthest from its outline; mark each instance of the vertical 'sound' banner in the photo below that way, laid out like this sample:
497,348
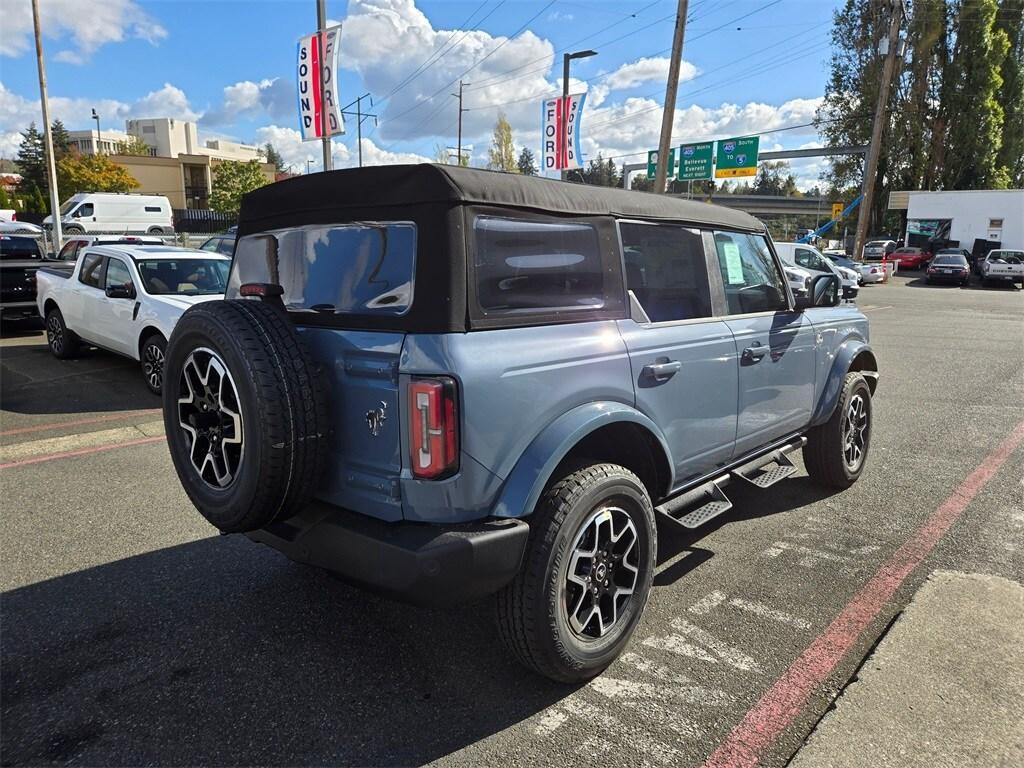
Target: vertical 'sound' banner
308,73
560,133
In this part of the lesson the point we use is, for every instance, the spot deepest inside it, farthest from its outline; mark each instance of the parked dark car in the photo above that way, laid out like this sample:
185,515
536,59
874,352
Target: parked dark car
222,244
20,257
949,268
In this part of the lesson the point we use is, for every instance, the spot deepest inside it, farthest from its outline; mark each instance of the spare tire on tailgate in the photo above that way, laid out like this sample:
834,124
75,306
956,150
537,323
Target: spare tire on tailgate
245,413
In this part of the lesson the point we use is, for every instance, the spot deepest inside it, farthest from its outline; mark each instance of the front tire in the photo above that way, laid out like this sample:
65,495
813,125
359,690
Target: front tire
63,344
586,576
154,350
836,451
74,229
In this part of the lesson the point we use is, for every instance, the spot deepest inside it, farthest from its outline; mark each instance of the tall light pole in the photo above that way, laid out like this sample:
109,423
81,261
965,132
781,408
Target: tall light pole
99,136
875,147
309,163
51,164
321,24
668,116
565,91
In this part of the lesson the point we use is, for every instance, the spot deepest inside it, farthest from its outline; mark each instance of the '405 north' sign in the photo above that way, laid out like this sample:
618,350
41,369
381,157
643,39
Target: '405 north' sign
311,106
560,132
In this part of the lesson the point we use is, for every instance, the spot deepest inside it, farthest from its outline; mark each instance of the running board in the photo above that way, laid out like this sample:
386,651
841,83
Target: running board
710,499
760,475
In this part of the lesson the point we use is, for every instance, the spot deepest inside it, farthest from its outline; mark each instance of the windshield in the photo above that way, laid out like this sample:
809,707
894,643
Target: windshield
877,244
949,260
842,261
185,277
68,205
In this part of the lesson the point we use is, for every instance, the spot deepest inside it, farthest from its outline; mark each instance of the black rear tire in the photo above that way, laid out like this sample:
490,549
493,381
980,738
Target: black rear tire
533,611
278,397
64,344
827,452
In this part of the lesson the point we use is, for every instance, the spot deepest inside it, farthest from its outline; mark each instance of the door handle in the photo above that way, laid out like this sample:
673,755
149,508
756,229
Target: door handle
661,371
753,353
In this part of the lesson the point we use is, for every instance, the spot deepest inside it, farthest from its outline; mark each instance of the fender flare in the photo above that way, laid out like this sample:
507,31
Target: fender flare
847,352
526,481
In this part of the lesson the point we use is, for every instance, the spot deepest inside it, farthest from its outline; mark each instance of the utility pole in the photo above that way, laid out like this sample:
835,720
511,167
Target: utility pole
661,171
359,121
461,110
875,147
51,163
321,25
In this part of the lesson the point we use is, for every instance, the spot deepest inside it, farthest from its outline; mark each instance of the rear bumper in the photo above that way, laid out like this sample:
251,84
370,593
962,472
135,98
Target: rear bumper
19,309
416,562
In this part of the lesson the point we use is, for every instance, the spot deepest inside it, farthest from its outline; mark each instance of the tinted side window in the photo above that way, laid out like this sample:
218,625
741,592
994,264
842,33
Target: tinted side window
752,281
524,266
666,271
92,269
117,273
152,209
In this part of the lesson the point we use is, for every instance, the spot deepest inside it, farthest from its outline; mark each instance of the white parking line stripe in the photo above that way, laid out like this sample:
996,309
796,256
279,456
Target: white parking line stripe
719,651
16,452
705,604
760,609
550,722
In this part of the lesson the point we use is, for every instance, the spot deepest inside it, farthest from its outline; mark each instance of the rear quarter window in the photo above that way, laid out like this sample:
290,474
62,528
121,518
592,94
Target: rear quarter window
524,266
13,248
364,268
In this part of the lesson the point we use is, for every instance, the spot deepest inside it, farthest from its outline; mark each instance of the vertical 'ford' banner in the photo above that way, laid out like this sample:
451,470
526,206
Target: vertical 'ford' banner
310,107
560,131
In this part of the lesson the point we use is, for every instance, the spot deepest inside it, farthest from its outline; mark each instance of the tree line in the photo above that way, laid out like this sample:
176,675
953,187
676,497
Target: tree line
955,117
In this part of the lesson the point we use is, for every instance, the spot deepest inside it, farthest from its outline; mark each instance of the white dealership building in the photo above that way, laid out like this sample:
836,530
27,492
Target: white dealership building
963,216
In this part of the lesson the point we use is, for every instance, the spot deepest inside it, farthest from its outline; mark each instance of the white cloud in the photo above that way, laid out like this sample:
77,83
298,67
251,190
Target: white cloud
645,70
87,26
16,112
273,97
387,40
288,142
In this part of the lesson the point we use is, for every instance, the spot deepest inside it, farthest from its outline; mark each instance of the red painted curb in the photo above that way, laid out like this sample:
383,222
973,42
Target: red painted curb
782,703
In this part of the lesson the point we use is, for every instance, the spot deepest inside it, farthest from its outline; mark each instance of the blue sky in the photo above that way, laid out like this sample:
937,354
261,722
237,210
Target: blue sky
751,66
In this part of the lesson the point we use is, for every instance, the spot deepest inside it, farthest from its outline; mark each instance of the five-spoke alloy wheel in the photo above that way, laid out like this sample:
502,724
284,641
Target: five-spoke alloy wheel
210,415
855,427
836,451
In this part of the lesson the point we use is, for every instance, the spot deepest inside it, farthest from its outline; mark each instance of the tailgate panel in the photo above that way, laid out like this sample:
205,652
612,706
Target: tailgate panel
360,371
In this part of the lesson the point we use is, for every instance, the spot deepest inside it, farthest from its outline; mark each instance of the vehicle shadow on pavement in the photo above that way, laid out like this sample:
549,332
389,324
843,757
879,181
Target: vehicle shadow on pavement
33,381
974,285
220,652
748,503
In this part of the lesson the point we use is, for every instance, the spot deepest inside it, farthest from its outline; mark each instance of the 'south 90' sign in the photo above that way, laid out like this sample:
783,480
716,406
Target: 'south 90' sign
560,132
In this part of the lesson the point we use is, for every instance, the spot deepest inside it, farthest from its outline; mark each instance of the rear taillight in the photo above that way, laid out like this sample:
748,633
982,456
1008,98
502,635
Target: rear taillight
433,427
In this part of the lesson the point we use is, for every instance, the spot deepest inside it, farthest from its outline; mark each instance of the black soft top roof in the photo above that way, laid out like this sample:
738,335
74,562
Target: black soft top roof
404,185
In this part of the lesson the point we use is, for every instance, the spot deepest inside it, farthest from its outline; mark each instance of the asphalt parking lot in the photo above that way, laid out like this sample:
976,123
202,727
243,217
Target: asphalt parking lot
133,634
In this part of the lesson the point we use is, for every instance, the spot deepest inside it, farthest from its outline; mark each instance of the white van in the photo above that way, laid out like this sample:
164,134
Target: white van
809,258
109,212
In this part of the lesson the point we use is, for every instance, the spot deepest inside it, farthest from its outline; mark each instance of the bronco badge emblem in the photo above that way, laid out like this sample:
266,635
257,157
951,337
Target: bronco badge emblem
375,418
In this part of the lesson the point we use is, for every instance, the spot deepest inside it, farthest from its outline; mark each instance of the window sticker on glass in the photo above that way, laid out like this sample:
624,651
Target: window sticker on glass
733,263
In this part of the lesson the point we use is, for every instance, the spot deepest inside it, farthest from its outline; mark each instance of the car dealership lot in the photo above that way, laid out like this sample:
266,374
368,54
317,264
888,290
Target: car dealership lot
133,634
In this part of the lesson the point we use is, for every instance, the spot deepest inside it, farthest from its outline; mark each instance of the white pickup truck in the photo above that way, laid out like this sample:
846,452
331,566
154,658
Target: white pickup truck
126,299
1004,265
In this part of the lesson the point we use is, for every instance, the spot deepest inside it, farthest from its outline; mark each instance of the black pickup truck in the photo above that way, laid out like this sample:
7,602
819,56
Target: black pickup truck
20,257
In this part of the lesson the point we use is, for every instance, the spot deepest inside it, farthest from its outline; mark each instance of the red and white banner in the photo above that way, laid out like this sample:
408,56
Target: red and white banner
311,109
560,132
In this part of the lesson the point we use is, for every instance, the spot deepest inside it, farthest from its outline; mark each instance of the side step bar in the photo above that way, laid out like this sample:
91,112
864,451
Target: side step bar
697,506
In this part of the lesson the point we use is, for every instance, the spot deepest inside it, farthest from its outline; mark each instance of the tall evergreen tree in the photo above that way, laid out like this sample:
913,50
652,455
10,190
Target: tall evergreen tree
526,163
61,140
1011,95
971,108
273,157
31,160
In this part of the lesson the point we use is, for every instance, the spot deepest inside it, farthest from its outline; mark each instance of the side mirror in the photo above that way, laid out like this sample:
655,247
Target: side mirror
120,292
824,291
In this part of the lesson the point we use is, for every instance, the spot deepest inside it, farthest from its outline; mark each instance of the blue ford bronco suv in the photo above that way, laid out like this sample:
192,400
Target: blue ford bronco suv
444,383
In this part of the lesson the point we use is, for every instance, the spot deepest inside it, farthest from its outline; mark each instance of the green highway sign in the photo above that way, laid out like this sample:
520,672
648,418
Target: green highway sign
736,157
695,161
652,163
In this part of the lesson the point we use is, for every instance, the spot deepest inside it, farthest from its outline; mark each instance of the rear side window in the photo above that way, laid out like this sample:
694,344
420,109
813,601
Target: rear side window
91,272
666,271
364,268
152,209
70,251
12,248
537,266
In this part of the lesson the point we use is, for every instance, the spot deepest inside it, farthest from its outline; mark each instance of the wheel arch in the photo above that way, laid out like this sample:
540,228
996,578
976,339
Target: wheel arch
605,431
48,305
144,334
852,355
